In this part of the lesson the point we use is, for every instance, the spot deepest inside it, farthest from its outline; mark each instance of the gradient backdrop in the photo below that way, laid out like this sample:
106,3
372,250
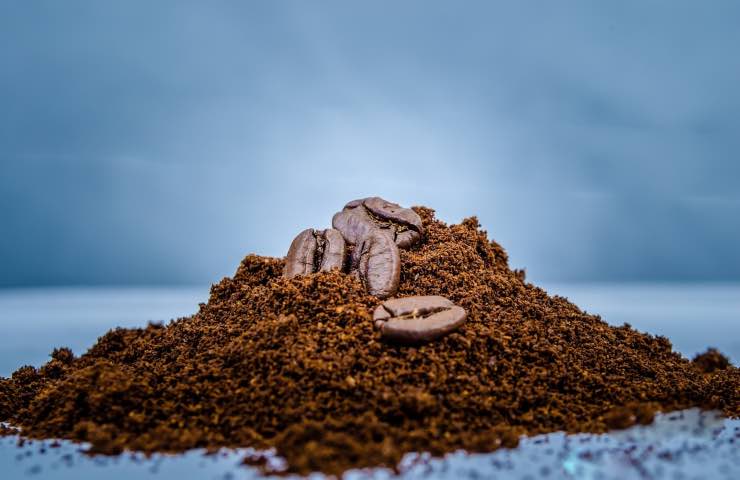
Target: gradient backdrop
159,142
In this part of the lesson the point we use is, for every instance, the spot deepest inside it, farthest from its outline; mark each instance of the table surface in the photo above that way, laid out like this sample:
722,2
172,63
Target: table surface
681,445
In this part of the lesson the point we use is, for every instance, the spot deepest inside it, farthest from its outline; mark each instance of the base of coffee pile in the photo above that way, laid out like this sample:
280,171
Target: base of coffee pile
296,366
683,444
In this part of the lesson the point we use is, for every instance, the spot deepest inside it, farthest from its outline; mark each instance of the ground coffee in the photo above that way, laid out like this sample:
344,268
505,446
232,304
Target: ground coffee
298,365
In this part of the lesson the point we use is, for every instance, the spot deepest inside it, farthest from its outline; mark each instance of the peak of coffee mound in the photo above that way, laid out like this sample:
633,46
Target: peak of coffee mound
297,365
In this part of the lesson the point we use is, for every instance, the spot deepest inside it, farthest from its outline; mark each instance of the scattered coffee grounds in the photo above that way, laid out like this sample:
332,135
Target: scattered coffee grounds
298,365
711,361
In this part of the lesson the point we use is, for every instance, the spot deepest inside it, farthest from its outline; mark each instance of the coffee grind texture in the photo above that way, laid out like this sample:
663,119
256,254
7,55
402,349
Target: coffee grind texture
296,364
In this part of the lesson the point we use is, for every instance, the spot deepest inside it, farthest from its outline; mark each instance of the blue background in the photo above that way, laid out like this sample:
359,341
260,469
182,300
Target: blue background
159,142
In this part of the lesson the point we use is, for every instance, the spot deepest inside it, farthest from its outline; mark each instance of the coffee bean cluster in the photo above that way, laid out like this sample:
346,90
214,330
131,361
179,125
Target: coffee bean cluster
364,242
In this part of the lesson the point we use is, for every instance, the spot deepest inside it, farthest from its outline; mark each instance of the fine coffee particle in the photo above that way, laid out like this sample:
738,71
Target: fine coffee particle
297,365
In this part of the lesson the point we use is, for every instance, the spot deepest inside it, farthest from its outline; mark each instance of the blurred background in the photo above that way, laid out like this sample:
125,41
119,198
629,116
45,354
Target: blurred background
159,142
151,145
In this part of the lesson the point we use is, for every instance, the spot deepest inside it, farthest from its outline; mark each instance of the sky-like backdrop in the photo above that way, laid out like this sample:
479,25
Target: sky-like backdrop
159,142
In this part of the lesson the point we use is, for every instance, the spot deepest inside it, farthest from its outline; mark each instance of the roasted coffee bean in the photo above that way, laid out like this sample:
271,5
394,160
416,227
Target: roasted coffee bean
377,263
417,319
359,217
313,251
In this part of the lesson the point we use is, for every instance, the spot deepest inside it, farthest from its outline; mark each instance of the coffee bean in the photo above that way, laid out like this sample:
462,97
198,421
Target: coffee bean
313,251
376,261
405,222
361,216
354,225
417,319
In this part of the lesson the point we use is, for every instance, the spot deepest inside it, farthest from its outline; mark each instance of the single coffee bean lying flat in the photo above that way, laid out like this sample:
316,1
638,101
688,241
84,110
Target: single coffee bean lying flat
359,217
313,251
413,320
377,263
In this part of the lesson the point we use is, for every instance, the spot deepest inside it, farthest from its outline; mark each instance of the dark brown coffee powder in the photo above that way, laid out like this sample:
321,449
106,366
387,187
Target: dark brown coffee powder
296,364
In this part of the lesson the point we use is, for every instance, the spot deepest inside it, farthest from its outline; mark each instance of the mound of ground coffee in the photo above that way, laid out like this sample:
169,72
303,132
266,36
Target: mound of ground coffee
296,364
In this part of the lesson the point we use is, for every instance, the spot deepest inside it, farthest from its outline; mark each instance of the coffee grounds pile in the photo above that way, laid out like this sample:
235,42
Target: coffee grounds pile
297,366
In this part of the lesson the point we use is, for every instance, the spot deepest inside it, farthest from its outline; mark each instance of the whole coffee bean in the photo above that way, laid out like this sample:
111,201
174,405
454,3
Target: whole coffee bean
377,263
313,251
361,216
417,319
